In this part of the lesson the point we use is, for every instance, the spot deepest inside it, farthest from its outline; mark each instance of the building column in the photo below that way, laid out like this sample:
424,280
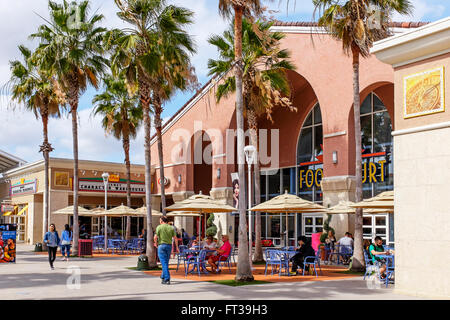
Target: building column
224,221
336,189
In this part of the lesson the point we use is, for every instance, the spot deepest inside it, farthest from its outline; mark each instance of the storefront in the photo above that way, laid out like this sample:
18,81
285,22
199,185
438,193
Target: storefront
23,188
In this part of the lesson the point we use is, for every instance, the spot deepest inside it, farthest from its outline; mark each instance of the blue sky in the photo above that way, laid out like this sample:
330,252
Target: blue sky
20,133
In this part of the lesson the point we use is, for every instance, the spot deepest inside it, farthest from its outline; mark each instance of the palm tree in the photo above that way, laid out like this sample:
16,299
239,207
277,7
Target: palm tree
40,93
71,49
173,71
357,24
264,80
241,8
121,118
137,52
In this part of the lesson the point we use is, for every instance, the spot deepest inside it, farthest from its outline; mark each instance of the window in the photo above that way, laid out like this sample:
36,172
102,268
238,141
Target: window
376,128
310,157
312,224
376,225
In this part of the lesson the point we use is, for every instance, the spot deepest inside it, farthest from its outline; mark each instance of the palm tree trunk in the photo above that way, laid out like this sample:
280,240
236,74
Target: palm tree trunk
126,149
45,148
253,126
243,272
145,102
76,231
158,128
358,256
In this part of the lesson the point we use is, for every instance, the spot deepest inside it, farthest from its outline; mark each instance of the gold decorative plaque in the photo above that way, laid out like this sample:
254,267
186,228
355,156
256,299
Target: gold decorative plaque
424,93
61,179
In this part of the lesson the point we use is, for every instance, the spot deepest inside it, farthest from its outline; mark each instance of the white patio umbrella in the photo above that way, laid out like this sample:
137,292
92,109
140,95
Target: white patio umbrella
201,204
384,200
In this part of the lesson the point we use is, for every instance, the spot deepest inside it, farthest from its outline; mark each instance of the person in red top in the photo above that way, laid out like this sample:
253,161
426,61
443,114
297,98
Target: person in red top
222,253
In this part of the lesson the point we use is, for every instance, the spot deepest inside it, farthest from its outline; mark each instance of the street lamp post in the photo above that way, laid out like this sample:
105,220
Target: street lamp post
105,177
250,152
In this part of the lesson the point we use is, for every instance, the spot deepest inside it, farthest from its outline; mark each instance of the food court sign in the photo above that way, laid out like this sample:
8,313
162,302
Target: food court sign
372,172
23,187
96,185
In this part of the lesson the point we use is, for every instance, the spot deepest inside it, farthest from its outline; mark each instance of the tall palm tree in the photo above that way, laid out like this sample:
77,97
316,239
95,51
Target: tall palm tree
240,8
121,117
264,80
174,71
39,92
136,51
357,24
71,49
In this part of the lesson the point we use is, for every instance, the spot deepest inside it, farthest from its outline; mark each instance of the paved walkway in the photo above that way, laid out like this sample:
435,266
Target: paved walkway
109,278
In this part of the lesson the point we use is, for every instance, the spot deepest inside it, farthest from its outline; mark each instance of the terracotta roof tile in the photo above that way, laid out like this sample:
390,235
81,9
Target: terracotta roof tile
314,24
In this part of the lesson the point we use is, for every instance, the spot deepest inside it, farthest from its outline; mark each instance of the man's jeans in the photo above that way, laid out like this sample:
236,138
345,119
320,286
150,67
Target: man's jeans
164,251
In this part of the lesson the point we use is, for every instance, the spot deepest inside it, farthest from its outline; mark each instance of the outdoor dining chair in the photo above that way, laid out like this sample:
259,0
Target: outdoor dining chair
370,266
196,261
390,270
181,255
225,262
312,261
277,260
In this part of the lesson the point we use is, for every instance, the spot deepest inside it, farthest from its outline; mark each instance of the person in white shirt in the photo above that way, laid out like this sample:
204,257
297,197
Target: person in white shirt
209,244
347,242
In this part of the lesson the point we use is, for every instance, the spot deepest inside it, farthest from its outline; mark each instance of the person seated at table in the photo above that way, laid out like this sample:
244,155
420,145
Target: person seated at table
330,240
304,250
194,244
221,254
185,237
376,249
346,241
209,244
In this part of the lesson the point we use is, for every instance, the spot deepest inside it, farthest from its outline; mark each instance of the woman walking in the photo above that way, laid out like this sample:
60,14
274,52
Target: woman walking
66,239
51,239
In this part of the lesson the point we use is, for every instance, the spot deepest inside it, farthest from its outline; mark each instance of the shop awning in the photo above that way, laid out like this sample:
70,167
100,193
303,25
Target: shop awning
23,210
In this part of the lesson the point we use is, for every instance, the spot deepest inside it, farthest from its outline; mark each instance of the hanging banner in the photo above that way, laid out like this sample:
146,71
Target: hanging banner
235,184
8,233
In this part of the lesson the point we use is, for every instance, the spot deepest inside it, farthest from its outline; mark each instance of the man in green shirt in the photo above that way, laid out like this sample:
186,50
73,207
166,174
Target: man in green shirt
163,237
378,249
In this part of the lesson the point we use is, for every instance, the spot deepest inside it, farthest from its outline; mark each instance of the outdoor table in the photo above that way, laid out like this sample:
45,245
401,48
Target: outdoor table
196,252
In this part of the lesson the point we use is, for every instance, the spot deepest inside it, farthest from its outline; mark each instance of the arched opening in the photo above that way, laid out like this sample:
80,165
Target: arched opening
202,170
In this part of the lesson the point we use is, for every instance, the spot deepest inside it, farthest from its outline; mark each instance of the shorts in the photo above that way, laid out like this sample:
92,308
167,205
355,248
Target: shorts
217,258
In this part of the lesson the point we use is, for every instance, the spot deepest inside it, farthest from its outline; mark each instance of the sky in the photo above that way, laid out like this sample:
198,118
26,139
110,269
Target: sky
21,132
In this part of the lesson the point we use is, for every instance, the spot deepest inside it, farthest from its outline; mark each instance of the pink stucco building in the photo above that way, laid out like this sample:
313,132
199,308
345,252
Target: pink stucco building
312,149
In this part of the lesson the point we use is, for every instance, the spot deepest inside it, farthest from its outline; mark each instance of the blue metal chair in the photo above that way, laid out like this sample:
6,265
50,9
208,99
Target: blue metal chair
344,252
196,261
278,259
233,253
312,261
181,255
390,269
225,262
370,266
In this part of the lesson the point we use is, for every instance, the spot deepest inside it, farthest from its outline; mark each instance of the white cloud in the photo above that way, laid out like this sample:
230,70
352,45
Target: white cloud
422,9
21,135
